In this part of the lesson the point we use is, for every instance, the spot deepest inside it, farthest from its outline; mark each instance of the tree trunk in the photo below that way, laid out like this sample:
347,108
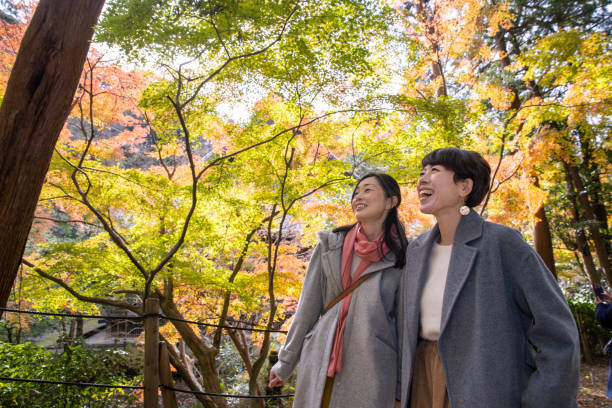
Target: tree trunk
36,104
204,354
594,228
79,327
599,208
437,70
543,239
586,350
72,329
500,45
581,240
181,366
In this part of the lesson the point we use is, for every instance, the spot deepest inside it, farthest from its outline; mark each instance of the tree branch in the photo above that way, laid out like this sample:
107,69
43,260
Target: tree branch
81,297
67,221
238,57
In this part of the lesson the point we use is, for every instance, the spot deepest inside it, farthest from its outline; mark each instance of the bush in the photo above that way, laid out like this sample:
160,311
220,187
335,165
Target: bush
77,363
592,336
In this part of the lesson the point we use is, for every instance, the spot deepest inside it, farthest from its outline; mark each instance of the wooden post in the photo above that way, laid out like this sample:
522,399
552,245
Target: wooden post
165,377
151,363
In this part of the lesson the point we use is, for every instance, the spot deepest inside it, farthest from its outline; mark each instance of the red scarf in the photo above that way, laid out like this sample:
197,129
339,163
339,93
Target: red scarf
355,242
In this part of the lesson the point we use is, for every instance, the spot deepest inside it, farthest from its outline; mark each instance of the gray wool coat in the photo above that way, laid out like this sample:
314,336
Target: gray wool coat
370,366
508,338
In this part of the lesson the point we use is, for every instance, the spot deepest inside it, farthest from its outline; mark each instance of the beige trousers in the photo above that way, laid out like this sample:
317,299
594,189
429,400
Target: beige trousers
327,392
428,382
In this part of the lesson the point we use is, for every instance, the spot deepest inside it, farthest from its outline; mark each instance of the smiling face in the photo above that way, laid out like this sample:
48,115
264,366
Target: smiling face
370,202
439,193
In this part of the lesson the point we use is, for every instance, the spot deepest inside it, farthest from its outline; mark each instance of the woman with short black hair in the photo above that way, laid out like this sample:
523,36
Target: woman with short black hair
483,321
344,332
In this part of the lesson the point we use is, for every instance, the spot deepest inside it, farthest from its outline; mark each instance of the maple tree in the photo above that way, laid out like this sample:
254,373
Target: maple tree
11,33
157,190
161,234
493,65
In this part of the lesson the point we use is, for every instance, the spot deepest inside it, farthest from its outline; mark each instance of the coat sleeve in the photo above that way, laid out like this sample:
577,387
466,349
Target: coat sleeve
310,307
603,314
551,329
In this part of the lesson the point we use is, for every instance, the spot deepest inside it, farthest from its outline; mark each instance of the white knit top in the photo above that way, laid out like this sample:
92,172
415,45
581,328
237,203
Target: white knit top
433,292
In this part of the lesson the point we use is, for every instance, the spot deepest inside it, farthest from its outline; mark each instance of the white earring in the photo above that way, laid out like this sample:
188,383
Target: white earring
464,210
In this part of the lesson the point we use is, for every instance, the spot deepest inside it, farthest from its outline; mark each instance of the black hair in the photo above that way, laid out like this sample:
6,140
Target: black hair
398,242
466,164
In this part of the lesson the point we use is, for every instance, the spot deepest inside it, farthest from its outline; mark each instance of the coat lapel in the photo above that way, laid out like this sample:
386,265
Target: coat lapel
462,259
413,281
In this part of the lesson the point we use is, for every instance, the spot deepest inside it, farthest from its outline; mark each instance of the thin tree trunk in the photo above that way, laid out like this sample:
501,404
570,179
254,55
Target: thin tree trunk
186,374
72,329
36,104
586,350
581,240
599,208
437,71
79,327
542,237
594,229
500,45
204,354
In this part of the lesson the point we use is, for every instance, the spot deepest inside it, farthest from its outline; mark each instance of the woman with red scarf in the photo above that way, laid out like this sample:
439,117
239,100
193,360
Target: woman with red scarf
348,352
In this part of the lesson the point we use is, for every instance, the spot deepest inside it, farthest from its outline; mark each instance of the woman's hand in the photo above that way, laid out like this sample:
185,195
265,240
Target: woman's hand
605,297
397,404
275,380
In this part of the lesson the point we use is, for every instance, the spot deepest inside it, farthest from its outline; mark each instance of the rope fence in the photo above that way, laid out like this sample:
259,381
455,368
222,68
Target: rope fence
76,384
243,396
140,387
85,316
143,317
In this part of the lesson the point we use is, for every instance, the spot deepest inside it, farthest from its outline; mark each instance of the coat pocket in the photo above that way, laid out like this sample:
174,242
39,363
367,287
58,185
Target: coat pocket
386,343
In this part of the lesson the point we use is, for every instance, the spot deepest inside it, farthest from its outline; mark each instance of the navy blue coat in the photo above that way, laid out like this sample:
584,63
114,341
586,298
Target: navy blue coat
603,314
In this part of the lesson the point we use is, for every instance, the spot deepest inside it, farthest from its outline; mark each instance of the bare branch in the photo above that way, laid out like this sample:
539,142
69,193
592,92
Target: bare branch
238,57
122,177
212,22
272,138
79,296
501,158
184,371
214,162
76,169
67,221
499,183
159,149
55,197
235,270
115,236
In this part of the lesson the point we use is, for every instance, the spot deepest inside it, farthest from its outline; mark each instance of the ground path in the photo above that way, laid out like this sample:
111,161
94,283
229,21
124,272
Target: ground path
593,380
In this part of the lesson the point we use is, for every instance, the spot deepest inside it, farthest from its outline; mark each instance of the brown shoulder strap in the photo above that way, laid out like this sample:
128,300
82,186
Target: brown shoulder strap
348,290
